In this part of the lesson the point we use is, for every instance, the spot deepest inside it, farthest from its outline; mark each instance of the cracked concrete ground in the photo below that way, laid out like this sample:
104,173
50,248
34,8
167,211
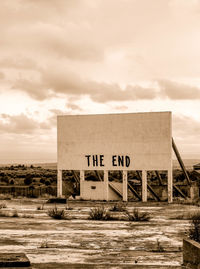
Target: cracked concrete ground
83,243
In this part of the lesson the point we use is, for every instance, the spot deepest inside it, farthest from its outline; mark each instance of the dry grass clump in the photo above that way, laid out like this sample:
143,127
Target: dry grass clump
15,214
3,205
194,231
159,247
187,215
56,213
99,213
137,215
6,214
44,244
118,207
40,207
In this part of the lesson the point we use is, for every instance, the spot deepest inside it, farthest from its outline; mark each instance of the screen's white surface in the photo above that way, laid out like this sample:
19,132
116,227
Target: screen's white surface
144,137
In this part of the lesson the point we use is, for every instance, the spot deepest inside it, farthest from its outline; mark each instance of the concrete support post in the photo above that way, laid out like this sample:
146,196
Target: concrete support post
125,186
106,185
144,186
82,178
170,186
59,183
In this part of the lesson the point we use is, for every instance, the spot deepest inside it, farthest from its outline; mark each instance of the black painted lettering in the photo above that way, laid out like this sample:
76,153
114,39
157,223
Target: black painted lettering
95,160
114,160
121,161
127,161
88,159
101,160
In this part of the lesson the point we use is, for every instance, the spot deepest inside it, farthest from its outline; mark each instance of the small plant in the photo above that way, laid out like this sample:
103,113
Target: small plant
67,207
56,213
194,231
159,247
27,216
3,205
4,214
99,213
40,207
137,215
118,207
44,244
15,214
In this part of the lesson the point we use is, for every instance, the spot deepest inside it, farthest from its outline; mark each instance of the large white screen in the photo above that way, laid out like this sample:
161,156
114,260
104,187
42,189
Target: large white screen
134,141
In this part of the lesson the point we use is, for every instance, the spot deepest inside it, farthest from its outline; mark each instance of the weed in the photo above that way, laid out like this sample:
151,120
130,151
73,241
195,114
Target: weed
194,231
118,207
3,205
5,196
67,207
27,216
4,214
15,214
40,207
159,247
44,244
188,216
99,213
137,215
56,213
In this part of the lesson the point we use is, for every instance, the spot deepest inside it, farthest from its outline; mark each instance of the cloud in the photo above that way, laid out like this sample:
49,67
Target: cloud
178,91
2,76
18,62
186,128
55,82
22,124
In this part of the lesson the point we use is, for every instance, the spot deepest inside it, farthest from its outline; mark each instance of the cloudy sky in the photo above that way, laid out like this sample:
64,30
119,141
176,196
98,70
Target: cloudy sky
96,56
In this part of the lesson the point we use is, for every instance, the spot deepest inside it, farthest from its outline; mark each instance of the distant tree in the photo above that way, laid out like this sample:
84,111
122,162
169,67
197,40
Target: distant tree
5,179
12,182
47,182
28,179
42,180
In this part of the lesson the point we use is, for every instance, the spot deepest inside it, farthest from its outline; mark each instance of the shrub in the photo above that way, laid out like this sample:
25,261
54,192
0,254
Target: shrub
40,207
119,207
159,247
187,216
56,213
28,180
4,214
194,231
15,214
47,182
137,215
44,244
99,213
3,205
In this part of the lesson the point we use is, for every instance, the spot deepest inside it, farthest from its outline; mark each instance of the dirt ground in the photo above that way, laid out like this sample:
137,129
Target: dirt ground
83,243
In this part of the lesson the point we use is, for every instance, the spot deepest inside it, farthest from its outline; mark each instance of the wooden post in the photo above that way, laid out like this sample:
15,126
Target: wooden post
82,178
144,186
170,185
106,186
59,183
178,156
125,186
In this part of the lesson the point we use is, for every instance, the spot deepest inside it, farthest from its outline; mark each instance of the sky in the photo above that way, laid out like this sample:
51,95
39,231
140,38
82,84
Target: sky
95,56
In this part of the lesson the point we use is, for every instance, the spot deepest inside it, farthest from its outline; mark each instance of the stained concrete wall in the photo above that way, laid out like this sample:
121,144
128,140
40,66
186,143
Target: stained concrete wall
191,254
95,190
